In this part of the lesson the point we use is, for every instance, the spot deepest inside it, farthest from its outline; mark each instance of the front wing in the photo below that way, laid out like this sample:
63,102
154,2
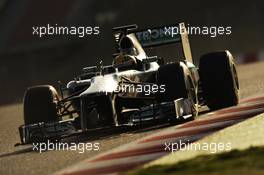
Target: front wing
167,111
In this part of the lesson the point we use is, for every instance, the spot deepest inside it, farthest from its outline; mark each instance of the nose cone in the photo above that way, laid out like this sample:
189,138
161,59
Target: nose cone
102,85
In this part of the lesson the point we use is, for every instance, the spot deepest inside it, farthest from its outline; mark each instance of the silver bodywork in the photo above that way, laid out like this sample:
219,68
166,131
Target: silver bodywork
105,80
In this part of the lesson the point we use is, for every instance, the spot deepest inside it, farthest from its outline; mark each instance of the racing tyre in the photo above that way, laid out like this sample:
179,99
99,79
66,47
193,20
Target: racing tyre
178,84
219,81
40,104
172,76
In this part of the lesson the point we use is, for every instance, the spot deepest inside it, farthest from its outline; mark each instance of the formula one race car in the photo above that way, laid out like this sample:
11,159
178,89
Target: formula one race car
136,88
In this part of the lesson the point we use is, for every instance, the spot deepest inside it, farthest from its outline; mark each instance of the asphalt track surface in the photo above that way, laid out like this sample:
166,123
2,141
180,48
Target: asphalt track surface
169,140
22,160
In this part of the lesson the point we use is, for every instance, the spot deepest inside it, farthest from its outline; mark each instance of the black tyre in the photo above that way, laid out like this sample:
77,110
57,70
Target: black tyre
178,84
219,80
40,104
172,76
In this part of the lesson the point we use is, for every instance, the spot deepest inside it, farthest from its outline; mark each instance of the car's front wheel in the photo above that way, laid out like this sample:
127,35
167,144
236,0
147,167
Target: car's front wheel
40,104
178,84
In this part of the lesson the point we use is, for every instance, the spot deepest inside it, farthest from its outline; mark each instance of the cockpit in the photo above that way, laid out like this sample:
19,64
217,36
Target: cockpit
127,58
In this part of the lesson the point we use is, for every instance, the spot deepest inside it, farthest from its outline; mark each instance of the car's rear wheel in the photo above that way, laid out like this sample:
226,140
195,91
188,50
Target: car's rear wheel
40,104
219,81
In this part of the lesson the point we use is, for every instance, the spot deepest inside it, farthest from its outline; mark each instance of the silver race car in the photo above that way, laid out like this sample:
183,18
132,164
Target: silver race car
137,88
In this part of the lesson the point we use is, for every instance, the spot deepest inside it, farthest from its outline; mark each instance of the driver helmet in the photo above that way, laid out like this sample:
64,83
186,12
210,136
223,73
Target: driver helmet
127,47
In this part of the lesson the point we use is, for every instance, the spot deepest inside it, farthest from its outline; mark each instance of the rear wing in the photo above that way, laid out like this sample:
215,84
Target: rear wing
166,35
157,36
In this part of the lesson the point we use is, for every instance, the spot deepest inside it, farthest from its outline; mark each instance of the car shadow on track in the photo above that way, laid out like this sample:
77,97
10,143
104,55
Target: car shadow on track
93,135
22,151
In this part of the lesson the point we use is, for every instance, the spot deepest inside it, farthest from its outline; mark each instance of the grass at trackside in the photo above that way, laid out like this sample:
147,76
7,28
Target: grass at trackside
250,161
